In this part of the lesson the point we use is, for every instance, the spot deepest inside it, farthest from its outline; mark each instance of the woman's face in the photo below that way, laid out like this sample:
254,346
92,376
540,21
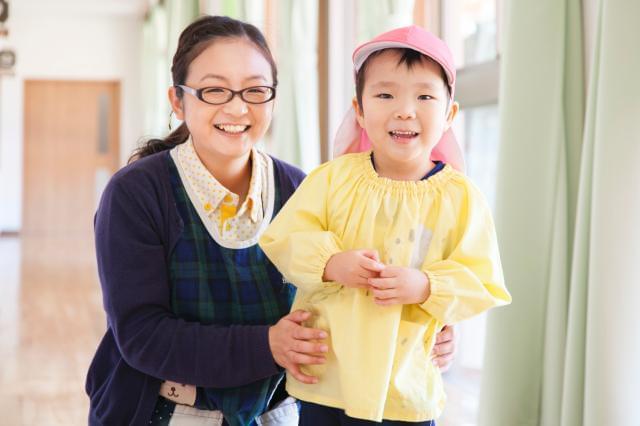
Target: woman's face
230,130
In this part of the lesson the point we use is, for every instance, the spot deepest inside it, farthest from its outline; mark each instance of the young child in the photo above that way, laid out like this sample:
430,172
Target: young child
386,246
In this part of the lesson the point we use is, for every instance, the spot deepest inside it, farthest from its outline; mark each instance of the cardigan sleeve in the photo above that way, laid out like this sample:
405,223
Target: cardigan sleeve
132,247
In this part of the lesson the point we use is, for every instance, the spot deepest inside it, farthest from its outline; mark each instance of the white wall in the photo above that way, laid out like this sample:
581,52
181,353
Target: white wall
65,44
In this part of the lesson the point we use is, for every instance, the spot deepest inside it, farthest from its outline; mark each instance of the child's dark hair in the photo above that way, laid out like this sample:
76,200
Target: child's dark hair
194,39
408,57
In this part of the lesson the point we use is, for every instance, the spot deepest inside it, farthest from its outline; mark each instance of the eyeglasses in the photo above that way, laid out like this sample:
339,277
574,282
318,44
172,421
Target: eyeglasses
222,95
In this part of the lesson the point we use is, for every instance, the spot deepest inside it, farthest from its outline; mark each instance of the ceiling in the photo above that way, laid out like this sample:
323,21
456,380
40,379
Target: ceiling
79,7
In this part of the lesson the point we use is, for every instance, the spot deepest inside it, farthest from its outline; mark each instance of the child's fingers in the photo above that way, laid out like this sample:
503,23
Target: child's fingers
382,283
386,302
370,264
389,271
357,279
384,294
371,254
366,274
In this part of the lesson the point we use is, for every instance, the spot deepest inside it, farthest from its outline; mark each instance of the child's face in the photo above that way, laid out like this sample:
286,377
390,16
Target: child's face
404,111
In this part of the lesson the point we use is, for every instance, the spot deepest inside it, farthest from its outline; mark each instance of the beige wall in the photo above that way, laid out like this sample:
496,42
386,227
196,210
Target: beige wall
69,44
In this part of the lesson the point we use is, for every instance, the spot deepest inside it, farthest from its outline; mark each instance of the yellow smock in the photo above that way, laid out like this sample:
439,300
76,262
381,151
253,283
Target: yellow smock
379,364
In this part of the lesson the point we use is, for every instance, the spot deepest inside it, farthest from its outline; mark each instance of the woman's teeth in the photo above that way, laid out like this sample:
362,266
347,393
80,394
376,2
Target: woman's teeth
231,128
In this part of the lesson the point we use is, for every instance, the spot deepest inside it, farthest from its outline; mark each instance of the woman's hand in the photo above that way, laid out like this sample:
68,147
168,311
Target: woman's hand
444,350
353,268
293,344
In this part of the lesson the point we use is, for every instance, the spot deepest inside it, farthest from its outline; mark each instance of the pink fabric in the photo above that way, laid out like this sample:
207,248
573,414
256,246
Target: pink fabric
352,138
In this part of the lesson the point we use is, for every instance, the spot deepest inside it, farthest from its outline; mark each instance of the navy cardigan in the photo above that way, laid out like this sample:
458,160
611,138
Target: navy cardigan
136,227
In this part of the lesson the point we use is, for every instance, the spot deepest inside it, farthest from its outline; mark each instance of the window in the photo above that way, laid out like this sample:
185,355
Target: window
470,28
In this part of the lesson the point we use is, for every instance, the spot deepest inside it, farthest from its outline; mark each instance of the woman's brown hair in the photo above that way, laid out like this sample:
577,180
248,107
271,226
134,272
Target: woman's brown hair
193,41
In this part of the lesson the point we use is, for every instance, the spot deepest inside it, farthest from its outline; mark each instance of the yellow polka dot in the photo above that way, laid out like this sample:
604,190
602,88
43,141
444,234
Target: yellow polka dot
207,207
228,198
228,227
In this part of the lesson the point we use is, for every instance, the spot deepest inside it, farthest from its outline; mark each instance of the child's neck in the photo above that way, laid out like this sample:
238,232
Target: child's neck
402,170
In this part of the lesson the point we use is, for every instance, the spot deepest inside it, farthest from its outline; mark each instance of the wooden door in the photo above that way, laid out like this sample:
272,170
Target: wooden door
71,148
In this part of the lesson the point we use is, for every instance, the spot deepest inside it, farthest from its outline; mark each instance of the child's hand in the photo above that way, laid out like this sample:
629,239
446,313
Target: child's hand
398,285
353,268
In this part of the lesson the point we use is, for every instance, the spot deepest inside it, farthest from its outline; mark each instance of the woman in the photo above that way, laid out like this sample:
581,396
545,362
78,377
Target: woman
190,297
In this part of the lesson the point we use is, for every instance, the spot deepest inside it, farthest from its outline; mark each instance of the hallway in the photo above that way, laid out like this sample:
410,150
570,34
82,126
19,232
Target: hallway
51,320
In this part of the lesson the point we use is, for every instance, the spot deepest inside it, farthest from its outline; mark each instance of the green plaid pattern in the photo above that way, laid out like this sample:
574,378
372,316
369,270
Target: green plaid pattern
211,284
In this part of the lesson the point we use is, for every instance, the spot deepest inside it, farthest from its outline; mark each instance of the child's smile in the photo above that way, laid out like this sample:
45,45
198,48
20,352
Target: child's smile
404,112
403,136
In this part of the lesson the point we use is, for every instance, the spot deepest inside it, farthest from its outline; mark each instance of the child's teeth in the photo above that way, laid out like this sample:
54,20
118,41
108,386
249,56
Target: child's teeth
404,133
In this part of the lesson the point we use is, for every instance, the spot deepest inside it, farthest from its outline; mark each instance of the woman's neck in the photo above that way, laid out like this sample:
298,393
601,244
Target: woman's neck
232,173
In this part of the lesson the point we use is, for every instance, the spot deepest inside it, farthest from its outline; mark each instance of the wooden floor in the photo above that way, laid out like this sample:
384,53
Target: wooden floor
51,320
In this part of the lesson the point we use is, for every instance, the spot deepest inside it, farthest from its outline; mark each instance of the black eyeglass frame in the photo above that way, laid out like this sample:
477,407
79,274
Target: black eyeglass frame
232,93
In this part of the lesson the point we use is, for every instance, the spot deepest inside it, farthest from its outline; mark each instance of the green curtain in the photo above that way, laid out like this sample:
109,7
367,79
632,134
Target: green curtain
294,134
180,13
565,352
162,27
296,129
154,69
602,377
541,116
251,11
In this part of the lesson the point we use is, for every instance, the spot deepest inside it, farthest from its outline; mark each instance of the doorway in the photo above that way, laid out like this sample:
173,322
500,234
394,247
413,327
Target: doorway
71,148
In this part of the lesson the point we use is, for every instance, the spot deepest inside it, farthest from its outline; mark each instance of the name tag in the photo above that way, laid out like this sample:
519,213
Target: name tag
178,393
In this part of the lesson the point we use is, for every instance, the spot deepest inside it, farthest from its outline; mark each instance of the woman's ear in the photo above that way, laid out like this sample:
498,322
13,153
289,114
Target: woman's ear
359,112
176,103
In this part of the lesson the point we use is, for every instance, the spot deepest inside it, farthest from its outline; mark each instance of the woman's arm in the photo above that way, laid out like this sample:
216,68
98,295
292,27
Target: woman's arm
131,246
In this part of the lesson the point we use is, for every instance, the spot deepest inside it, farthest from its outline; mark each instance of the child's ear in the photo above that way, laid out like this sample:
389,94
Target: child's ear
176,103
359,113
453,111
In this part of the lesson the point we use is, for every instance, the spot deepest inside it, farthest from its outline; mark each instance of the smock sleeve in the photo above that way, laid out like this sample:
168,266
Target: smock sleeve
298,240
469,280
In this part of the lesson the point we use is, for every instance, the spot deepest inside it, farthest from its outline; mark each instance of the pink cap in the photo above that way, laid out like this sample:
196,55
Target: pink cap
412,37
352,138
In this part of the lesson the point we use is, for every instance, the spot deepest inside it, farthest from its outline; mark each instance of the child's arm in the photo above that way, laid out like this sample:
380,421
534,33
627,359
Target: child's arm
468,281
301,246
